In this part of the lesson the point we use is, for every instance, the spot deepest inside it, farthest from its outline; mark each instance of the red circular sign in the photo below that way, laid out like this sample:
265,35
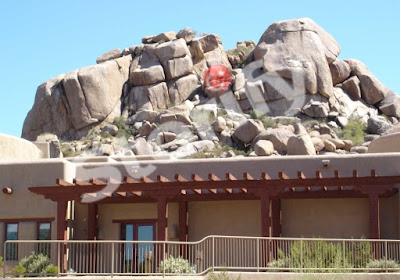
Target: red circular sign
217,78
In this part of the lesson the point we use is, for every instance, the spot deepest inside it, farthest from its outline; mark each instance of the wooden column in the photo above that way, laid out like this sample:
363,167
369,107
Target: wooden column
183,221
92,221
374,221
276,217
62,220
162,216
265,215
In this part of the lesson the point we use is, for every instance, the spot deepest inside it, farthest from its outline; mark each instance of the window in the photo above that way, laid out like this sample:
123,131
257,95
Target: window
12,248
44,233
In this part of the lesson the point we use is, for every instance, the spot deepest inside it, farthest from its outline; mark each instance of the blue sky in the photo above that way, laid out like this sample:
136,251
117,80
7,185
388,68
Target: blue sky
43,38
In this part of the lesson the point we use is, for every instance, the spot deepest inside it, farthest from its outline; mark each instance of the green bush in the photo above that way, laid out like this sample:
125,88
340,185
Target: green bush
1,261
35,263
175,266
218,151
223,275
355,132
124,130
382,265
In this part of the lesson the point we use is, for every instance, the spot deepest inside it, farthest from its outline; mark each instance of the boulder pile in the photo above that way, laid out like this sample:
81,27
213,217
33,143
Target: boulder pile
290,95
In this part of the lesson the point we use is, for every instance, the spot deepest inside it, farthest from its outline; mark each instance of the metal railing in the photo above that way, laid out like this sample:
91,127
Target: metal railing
61,258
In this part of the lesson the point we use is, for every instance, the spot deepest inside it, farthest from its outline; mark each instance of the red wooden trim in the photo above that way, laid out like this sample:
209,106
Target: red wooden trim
213,177
374,220
62,220
355,173
276,217
230,177
98,182
180,178
183,221
81,183
130,180
92,221
21,220
247,176
265,176
337,174
146,180
162,179
162,216
63,183
197,178
265,215
300,175
7,191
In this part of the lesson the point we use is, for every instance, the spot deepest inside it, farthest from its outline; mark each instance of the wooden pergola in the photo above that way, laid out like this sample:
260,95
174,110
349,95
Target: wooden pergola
196,188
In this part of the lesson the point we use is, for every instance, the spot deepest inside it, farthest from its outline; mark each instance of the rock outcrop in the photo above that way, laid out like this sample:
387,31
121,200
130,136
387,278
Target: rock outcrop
153,98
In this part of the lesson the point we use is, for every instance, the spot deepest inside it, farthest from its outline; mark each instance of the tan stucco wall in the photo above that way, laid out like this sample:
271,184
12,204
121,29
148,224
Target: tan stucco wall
125,211
22,203
223,218
389,217
329,218
14,148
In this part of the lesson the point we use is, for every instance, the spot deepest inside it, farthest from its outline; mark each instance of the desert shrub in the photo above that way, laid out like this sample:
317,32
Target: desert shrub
382,265
308,255
355,132
219,151
175,266
124,130
35,263
67,150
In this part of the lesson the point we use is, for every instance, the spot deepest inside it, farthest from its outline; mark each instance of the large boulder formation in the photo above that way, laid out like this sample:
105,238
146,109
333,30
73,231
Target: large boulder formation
299,50
155,98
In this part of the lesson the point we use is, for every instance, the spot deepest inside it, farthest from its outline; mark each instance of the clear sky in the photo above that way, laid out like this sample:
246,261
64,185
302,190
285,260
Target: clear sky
40,39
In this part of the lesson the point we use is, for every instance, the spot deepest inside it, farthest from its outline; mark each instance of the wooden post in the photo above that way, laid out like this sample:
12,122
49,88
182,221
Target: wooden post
276,217
183,219
62,220
183,226
265,215
374,223
92,221
162,216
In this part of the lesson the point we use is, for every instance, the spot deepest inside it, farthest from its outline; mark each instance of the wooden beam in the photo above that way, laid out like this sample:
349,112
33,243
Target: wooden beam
197,178
247,176
337,174
63,183
213,177
355,173
265,176
82,183
283,175
180,178
227,190
145,179
373,173
196,191
162,179
300,175
230,177
7,191
212,190
130,180
137,193
113,181
318,174
97,182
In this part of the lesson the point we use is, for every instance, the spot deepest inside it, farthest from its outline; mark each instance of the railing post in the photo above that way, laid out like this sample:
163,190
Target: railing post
112,258
344,254
301,254
58,260
386,257
258,255
213,253
163,258
5,260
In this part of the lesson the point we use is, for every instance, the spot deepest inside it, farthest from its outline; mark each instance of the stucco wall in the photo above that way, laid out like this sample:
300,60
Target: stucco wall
385,144
224,218
24,204
389,217
329,218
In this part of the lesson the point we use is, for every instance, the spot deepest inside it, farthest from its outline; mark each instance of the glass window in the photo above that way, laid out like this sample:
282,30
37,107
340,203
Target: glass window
12,248
44,233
